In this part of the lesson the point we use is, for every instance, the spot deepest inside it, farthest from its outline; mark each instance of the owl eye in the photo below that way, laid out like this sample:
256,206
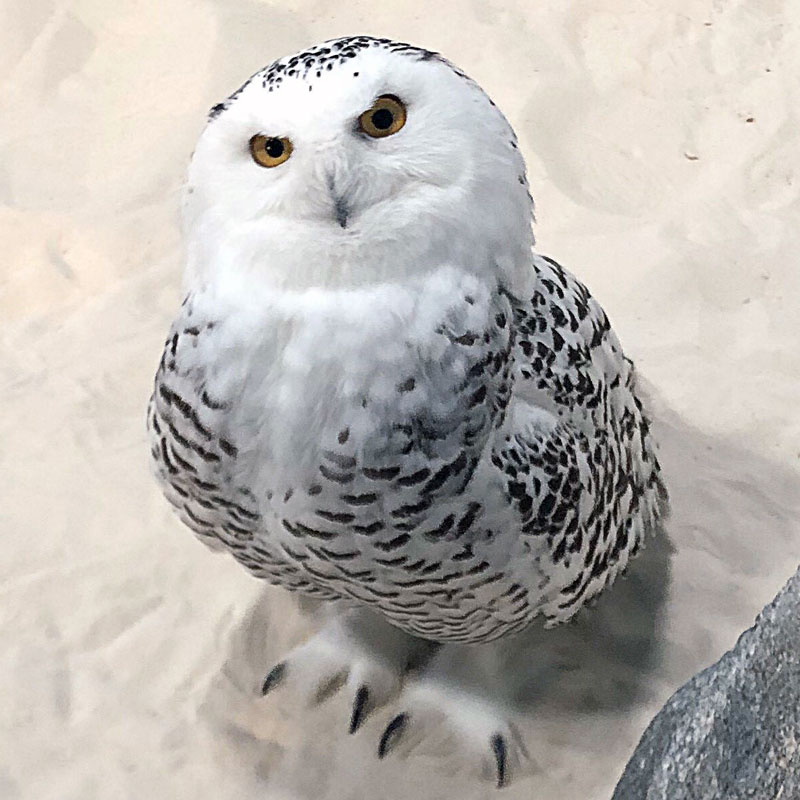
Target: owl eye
270,151
386,116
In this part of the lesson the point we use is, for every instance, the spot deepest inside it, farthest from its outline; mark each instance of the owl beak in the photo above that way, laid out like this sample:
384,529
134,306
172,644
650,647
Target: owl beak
341,210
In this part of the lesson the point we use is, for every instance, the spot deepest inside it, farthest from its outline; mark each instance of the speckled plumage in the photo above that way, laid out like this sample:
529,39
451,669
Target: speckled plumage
458,446
495,464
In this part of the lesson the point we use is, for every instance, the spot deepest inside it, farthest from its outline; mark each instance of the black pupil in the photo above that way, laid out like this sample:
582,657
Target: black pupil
274,148
382,119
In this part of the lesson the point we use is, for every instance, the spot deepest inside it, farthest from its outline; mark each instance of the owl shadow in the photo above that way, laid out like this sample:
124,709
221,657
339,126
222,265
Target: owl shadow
601,659
730,541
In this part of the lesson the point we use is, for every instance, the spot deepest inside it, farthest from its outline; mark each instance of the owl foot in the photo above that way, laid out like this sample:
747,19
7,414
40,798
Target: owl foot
439,715
366,658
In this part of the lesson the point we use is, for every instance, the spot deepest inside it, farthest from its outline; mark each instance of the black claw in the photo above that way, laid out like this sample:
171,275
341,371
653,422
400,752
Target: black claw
392,733
498,744
330,686
359,704
274,678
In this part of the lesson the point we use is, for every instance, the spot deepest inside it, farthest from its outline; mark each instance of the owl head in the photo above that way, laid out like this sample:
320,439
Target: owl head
357,161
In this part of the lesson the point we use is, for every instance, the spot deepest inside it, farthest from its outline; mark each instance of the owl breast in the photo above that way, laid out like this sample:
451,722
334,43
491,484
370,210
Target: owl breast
331,452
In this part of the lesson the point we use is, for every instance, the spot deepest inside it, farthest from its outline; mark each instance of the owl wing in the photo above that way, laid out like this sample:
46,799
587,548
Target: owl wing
578,460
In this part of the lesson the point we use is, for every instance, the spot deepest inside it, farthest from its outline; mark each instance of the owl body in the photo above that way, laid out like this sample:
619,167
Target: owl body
409,411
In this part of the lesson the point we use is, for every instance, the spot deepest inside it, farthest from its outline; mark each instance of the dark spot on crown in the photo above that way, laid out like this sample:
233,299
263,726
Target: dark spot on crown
216,110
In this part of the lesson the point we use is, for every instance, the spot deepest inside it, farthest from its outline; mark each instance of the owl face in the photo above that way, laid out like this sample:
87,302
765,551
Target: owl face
357,161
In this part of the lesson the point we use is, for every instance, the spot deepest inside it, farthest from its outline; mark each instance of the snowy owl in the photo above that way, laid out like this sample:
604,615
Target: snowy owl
376,394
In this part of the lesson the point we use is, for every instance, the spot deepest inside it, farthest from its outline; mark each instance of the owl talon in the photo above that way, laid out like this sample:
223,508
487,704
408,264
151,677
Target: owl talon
444,714
500,750
359,706
274,677
392,734
340,655
328,687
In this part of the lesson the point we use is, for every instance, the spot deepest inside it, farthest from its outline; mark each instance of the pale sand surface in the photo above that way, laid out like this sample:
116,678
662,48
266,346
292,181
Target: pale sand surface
662,144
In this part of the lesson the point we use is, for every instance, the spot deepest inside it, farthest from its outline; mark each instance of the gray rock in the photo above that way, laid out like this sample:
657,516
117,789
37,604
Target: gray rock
733,731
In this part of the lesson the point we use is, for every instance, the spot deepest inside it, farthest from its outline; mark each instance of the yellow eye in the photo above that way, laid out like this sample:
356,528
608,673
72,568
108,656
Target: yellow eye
270,151
386,116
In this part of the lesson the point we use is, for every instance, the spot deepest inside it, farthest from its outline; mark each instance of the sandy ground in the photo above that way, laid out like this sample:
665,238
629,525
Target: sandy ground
662,144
